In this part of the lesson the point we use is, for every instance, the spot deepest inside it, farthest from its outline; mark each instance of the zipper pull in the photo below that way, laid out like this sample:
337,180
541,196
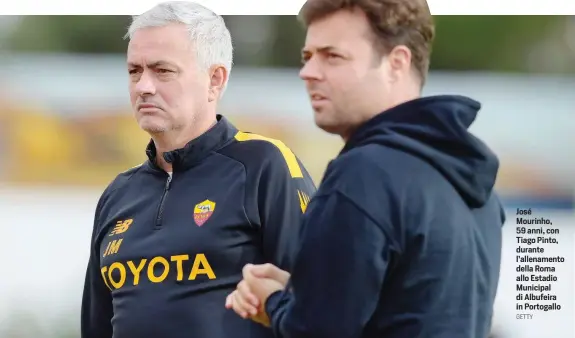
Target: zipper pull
168,182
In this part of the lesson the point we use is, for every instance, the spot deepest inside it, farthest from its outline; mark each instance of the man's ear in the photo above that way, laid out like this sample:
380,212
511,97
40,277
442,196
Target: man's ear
218,79
399,61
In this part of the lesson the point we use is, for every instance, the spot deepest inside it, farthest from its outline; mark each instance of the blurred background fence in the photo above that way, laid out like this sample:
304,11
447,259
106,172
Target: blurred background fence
66,130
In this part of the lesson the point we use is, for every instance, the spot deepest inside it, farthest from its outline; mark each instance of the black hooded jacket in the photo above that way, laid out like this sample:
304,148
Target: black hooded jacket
403,238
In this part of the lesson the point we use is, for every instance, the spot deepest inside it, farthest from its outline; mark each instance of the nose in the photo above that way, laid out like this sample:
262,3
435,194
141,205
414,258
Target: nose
145,85
310,70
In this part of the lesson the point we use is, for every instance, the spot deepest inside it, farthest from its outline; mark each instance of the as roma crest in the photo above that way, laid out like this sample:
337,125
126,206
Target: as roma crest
203,211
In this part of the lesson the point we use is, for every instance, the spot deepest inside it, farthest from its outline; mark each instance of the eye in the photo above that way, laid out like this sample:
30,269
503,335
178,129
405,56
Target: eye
164,71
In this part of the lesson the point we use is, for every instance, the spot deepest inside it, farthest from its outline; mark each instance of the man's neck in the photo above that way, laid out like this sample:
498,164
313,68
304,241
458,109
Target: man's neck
384,107
169,141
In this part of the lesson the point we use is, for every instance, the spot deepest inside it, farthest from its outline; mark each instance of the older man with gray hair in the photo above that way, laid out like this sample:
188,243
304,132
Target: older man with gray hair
170,236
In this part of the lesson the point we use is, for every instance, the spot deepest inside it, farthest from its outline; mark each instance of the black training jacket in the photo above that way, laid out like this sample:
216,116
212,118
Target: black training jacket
166,251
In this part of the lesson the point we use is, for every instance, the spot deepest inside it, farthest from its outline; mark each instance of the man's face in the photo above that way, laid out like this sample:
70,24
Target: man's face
345,78
167,88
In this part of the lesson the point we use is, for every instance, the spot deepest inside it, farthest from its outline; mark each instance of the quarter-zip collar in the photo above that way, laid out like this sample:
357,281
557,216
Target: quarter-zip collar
197,149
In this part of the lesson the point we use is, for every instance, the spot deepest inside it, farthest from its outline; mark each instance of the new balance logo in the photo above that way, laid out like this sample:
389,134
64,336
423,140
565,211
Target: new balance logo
121,227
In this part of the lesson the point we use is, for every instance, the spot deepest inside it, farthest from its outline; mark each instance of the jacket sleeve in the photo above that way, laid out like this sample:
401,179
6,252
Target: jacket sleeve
96,310
285,189
338,274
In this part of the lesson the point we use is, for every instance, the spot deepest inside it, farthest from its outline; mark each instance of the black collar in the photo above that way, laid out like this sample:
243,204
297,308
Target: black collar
197,149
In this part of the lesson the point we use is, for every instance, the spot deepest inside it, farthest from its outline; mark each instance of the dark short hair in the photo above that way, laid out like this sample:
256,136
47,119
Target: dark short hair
393,23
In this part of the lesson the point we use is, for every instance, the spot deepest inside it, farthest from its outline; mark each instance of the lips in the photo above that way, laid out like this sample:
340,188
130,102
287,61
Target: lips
146,106
317,97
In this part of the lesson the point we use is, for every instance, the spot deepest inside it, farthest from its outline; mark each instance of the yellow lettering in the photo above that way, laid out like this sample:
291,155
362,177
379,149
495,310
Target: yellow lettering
200,259
179,260
104,269
136,270
151,266
116,280
113,247
122,280
107,248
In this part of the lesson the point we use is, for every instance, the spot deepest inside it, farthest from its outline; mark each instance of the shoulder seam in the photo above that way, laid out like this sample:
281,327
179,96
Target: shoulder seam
126,175
287,154
134,167
245,186
117,183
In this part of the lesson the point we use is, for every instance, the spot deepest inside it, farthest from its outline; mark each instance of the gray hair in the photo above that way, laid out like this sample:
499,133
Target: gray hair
208,32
